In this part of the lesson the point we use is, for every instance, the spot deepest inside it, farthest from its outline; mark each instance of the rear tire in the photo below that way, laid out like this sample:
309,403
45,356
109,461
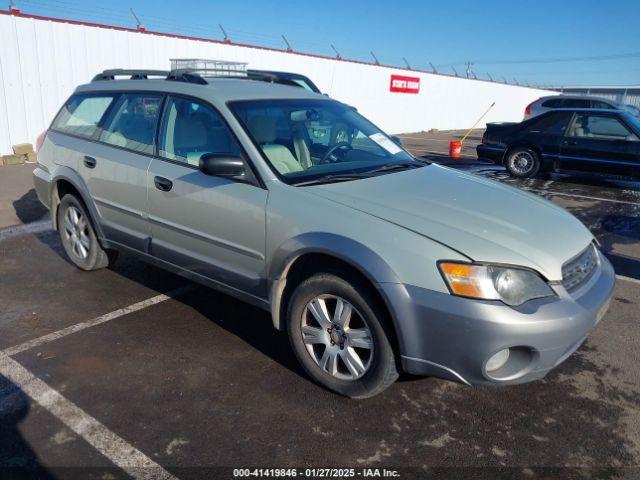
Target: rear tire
523,163
78,236
348,350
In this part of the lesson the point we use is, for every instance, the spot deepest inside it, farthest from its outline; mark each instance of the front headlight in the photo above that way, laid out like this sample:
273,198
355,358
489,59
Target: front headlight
513,286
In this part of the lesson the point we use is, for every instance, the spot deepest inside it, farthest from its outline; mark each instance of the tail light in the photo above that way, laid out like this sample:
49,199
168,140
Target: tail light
527,110
484,137
40,140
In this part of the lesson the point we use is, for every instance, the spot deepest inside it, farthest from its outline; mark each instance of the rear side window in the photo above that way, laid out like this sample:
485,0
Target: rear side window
552,103
133,122
82,114
576,103
601,104
552,124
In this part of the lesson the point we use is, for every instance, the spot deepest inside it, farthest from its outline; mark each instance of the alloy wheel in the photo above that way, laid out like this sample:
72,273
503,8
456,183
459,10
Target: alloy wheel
337,337
76,230
522,162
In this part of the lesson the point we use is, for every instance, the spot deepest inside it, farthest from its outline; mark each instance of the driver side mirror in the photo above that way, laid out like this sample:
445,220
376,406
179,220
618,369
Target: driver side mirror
397,140
221,165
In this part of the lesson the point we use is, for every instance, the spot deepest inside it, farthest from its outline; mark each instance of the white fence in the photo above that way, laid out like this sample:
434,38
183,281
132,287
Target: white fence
43,60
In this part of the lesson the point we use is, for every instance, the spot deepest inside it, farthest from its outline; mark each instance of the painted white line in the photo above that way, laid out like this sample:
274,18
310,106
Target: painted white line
586,197
628,279
35,227
115,448
50,337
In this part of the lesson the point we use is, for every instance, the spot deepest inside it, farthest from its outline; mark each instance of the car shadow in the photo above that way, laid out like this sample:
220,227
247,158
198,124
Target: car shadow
28,208
251,324
17,459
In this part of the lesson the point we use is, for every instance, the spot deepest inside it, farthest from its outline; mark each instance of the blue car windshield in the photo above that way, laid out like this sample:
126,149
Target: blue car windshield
304,140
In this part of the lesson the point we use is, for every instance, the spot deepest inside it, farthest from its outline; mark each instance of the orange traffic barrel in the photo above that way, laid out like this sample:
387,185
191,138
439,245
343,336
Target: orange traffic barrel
455,148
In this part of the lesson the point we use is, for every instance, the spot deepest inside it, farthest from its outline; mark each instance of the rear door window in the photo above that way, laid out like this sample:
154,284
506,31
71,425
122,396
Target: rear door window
82,114
133,122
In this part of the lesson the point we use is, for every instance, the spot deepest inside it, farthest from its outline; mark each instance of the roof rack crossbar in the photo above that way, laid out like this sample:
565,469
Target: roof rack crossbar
188,75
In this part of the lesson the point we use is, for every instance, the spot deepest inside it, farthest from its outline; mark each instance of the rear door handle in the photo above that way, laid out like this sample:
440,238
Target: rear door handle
163,184
90,162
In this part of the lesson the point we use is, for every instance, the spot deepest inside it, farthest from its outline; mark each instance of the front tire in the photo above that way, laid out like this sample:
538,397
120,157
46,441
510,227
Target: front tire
338,332
523,163
78,236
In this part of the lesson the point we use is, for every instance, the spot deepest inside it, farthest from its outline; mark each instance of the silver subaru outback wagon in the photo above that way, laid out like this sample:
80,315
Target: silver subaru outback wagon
373,261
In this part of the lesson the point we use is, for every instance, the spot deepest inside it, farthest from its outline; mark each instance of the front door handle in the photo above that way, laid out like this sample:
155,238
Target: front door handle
90,162
163,184
570,142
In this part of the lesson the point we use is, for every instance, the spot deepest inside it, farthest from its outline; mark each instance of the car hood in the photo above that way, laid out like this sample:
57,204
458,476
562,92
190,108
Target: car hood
482,219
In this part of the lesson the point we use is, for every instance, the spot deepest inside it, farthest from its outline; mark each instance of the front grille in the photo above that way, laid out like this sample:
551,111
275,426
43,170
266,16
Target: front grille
577,271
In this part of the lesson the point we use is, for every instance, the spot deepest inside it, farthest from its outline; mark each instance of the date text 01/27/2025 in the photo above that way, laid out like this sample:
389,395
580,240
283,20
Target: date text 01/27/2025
315,473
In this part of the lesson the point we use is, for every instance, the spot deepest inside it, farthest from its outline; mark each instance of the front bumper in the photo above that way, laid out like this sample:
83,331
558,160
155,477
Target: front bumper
452,337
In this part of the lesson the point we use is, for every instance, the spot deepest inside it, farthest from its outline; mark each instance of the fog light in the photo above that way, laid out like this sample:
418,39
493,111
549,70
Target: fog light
497,360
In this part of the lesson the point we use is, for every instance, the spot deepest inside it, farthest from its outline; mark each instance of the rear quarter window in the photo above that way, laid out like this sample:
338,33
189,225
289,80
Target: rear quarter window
551,124
601,105
552,103
82,114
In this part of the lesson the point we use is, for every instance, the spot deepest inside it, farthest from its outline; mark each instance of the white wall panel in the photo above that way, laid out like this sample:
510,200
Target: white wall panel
42,61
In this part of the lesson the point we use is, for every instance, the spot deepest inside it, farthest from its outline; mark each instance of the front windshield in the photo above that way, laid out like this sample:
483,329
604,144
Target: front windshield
305,140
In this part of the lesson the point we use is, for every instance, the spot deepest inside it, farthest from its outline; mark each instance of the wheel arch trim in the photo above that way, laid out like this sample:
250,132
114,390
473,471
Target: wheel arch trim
72,177
353,253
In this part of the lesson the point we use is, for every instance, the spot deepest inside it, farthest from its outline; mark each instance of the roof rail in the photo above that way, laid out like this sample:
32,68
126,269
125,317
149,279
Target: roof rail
191,75
181,75
134,74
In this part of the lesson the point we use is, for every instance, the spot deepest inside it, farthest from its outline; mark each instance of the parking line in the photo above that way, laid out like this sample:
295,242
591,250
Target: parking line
586,197
116,449
50,337
34,227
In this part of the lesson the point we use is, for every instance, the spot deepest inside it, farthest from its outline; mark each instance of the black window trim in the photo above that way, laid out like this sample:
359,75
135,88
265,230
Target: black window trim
255,179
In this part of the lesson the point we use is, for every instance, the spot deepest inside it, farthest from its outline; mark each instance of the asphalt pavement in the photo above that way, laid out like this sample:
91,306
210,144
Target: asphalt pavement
136,372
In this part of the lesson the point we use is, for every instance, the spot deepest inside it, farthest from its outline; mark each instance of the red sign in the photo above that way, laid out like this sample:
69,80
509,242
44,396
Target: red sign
402,84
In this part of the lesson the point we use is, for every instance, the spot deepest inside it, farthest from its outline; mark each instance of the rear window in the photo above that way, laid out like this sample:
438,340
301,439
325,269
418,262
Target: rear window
82,114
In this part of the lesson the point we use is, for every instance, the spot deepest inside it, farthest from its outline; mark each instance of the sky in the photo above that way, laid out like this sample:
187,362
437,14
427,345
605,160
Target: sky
559,43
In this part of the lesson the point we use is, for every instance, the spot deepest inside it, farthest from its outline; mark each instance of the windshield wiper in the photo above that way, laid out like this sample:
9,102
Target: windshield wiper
333,179
396,166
